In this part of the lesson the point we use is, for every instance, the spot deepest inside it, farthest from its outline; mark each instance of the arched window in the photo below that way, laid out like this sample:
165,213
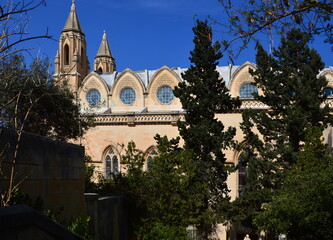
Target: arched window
100,70
151,154
247,90
242,173
82,55
66,55
328,91
111,163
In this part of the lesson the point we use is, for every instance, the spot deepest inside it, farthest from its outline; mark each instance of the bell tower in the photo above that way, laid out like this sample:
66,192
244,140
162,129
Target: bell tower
104,62
71,61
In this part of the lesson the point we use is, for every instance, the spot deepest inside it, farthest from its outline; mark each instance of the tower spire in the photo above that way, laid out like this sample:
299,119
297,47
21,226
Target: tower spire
71,61
104,62
72,23
104,48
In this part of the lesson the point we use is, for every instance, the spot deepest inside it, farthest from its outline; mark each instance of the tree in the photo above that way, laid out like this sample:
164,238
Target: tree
172,196
163,200
302,207
32,102
247,19
293,92
14,22
203,94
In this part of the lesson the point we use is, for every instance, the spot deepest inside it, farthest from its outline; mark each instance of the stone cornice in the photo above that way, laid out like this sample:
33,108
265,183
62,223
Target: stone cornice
167,118
132,119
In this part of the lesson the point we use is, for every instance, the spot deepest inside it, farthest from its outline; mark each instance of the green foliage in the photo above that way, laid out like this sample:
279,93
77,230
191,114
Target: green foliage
19,198
163,232
292,91
80,226
31,101
302,207
203,94
172,196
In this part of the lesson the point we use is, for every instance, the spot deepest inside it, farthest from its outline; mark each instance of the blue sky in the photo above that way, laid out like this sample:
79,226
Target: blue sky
143,34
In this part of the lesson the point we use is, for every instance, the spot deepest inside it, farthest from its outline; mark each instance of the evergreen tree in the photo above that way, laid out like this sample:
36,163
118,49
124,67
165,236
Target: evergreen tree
293,92
31,102
203,94
302,208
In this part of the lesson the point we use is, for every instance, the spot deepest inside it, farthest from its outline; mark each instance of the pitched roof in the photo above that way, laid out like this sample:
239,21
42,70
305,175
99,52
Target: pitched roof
72,23
104,48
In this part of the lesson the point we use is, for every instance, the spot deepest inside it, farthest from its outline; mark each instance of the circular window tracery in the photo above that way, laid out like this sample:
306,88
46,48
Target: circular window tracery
247,90
127,96
165,95
93,97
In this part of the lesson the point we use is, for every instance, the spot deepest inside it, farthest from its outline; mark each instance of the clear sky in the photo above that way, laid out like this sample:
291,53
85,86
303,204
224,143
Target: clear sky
143,34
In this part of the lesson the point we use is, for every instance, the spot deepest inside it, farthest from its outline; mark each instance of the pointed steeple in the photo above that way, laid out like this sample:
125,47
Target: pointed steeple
104,62
104,48
72,23
71,63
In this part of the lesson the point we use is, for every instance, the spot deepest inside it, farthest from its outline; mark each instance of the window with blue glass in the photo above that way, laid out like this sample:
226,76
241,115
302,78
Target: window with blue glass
127,96
328,92
93,97
247,90
165,95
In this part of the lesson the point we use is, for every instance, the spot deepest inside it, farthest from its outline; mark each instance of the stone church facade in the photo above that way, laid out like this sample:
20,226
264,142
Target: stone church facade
137,105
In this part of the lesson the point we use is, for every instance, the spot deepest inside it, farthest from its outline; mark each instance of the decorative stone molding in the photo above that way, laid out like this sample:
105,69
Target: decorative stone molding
132,118
253,104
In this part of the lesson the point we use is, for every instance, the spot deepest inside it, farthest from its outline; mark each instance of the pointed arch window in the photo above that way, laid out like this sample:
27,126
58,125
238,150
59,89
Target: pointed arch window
111,163
66,55
151,154
82,55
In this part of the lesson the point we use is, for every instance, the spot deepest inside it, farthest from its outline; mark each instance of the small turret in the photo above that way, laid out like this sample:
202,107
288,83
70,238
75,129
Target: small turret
104,62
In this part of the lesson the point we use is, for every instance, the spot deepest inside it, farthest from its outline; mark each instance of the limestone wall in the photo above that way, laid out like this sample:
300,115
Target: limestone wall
52,170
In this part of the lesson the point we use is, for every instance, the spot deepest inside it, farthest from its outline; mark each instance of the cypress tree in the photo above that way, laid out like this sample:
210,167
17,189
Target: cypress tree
203,94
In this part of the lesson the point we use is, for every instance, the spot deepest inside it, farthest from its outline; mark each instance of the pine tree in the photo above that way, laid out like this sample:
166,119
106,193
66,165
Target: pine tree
203,94
293,92
302,207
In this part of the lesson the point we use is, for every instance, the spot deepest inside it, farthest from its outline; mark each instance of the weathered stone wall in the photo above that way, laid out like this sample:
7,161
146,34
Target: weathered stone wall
51,170
110,216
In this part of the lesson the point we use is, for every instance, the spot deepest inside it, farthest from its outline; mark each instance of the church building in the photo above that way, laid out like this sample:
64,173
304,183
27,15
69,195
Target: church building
137,105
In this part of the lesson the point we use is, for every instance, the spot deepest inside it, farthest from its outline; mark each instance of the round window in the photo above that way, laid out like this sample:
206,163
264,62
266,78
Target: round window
247,90
165,95
93,97
127,96
328,91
